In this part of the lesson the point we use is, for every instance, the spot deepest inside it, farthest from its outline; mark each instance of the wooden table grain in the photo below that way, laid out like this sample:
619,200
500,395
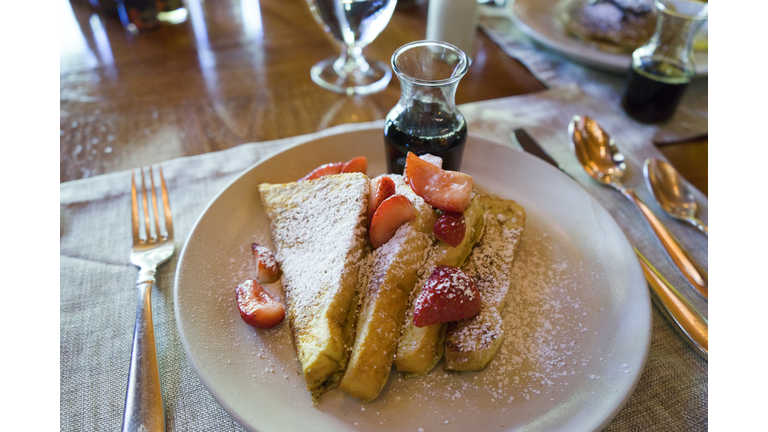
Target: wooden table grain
237,71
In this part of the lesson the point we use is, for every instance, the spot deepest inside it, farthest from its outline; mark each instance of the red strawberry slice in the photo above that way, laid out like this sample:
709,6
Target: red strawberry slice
448,295
393,212
324,170
267,269
358,164
434,160
257,308
449,191
381,189
450,228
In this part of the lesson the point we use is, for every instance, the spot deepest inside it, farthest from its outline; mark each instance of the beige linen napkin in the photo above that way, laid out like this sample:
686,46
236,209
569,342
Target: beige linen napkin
98,298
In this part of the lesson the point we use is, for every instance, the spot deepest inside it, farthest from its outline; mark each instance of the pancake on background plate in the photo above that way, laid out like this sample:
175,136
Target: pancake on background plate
620,25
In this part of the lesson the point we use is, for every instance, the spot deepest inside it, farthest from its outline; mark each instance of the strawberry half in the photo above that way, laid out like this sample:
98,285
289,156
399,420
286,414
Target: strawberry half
450,191
448,295
450,228
257,308
267,269
324,170
393,212
357,164
381,189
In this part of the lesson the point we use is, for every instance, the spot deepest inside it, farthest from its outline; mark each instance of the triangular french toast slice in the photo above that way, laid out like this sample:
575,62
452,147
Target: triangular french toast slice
393,275
471,343
421,348
319,232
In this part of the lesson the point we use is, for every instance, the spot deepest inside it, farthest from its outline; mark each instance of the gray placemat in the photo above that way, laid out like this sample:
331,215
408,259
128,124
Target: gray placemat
98,298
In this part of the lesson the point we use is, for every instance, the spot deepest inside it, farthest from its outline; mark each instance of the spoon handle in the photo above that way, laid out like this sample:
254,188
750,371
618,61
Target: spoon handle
693,272
686,320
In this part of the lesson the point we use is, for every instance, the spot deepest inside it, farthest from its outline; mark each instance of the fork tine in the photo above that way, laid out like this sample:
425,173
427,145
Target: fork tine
146,206
154,203
134,210
166,205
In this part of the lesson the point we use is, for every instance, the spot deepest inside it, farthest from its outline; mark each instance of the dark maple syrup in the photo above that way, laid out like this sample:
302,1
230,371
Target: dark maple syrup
654,90
424,128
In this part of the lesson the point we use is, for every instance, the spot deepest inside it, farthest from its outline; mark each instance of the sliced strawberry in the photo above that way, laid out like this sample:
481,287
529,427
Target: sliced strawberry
450,228
449,191
448,295
257,308
267,269
434,160
358,164
381,189
324,170
393,212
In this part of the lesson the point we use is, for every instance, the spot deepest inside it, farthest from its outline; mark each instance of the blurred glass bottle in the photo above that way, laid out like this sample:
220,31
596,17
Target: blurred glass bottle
138,15
664,66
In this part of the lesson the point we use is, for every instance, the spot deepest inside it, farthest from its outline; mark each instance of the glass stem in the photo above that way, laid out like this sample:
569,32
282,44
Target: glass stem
351,61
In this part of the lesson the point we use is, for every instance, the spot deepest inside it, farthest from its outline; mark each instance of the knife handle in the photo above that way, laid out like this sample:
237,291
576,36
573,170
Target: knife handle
686,320
692,271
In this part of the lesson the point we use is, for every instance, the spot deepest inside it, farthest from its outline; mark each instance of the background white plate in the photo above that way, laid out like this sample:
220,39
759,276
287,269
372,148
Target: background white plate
536,19
583,331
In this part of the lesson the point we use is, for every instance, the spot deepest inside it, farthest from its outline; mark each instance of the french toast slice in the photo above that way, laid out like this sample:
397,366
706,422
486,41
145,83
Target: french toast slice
421,348
392,278
471,343
319,230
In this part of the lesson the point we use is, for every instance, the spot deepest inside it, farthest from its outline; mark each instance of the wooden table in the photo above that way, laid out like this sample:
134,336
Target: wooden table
237,71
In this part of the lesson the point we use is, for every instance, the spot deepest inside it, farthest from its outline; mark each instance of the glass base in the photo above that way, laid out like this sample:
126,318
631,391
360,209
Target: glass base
369,80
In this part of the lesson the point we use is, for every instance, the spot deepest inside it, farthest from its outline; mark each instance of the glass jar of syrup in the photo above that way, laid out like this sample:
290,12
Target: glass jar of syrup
425,119
664,66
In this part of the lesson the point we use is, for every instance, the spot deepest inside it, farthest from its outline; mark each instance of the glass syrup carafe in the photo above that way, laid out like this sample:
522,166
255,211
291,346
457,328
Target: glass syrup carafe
425,119
664,66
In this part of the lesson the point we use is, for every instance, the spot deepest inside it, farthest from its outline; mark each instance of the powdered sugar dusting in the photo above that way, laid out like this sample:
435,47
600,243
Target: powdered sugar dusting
549,359
542,349
318,228
314,233
489,264
492,280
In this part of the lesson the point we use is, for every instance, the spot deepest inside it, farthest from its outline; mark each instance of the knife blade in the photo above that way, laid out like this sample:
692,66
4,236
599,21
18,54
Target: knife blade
531,146
688,322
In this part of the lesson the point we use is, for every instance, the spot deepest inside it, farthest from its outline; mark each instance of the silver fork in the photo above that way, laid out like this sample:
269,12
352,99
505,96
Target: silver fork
152,246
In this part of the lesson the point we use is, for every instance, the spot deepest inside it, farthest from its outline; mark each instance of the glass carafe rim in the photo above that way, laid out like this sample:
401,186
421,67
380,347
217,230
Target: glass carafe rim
458,73
663,7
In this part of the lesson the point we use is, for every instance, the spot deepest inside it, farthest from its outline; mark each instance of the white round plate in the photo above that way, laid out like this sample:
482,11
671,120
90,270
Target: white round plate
577,319
536,19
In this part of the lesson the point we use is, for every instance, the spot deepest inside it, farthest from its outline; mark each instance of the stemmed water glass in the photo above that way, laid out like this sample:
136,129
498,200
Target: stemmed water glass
353,24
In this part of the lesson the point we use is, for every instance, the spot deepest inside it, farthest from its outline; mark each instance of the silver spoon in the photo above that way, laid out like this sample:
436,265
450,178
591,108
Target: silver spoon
600,158
672,192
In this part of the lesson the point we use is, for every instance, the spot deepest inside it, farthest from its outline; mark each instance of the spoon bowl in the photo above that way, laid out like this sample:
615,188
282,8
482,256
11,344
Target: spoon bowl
597,151
672,192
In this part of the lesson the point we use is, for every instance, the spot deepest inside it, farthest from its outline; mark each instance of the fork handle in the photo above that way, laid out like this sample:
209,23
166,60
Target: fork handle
144,400
695,275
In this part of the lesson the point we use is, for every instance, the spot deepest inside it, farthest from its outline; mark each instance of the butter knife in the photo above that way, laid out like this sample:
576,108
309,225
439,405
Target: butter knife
686,320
